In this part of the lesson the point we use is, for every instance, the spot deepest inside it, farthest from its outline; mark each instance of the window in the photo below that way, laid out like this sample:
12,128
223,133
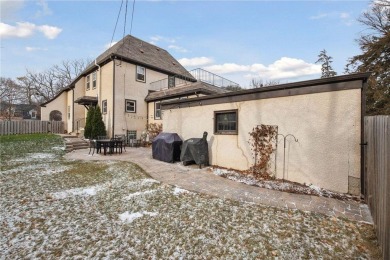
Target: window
130,106
171,81
104,106
88,84
157,110
131,134
33,114
141,73
68,112
226,122
94,80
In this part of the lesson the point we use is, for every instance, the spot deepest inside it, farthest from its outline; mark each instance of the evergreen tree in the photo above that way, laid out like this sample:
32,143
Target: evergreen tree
375,57
98,127
325,61
88,123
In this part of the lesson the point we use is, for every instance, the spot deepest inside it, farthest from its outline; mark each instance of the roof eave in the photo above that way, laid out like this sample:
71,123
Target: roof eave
350,77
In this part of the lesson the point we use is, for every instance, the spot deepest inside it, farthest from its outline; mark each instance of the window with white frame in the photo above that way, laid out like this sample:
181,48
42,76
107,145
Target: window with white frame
131,106
226,122
88,82
157,110
94,80
141,73
104,107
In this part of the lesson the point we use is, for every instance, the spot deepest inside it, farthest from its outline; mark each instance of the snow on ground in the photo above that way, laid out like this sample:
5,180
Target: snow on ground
86,191
130,217
178,191
280,185
95,220
139,193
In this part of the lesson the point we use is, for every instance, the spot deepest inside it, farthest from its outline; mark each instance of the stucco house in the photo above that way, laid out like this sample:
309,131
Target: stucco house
128,81
324,115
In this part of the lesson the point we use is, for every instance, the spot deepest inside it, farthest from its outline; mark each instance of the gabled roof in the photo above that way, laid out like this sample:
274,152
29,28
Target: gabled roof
137,51
185,90
134,50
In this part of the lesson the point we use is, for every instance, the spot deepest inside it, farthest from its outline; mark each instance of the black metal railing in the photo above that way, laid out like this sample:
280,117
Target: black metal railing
198,74
211,78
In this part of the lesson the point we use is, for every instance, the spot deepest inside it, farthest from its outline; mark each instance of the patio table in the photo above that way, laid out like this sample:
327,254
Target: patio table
108,144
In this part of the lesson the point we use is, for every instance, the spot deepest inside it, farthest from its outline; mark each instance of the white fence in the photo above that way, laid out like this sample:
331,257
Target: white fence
31,127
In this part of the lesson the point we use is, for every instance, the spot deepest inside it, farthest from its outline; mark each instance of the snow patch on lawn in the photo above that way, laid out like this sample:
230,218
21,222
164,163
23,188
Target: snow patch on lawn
139,193
58,148
130,217
178,191
281,185
84,192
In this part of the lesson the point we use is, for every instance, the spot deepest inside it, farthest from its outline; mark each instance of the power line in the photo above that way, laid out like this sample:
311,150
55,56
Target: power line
132,16
124,26
117,19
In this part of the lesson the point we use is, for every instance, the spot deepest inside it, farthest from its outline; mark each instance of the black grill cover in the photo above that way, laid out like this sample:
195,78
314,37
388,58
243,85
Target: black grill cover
166,147
195,150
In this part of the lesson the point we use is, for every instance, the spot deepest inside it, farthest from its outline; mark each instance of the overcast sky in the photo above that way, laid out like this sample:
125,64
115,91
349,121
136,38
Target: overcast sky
271,40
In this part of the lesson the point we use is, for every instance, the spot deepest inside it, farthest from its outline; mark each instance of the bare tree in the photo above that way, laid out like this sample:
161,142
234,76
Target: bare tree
258,83
43,86
10,95
375,56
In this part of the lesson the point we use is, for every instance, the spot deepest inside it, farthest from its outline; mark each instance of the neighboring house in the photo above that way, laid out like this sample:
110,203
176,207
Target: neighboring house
128,82
19,111
325,115
26,111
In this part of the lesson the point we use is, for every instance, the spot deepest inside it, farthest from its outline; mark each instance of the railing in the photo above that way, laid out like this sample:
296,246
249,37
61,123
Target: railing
79,123
166,83
31,127
211,78
377,177
198,74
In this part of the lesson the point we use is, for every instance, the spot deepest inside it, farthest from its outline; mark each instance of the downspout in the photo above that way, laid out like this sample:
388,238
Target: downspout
72,110
100,78
363,145
113,97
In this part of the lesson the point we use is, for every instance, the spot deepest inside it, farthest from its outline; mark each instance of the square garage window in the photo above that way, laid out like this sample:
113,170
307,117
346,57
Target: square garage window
226,122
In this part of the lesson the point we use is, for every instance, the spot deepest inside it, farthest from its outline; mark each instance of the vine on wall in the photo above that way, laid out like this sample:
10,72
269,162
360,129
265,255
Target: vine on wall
262,147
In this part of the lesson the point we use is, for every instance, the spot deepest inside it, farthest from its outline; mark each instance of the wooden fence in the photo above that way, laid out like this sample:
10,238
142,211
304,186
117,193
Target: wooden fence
31,127
377,176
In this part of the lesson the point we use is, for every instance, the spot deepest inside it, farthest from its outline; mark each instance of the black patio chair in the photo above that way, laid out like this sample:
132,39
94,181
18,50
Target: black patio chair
123,139
92,146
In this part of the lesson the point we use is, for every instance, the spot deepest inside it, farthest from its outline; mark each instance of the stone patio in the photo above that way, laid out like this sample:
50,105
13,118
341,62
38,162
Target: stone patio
204,181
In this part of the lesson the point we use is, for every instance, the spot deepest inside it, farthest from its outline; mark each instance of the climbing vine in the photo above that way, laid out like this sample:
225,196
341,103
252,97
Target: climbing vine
262,148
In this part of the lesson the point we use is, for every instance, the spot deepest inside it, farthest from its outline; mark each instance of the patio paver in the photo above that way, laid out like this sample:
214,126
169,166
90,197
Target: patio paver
204,181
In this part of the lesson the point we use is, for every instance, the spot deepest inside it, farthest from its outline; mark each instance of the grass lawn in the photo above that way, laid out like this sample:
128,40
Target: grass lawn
54,208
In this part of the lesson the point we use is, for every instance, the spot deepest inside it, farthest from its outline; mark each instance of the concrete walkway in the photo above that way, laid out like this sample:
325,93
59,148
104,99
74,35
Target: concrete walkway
204,181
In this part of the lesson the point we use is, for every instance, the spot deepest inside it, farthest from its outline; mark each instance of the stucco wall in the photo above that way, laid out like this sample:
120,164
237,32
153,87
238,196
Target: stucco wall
60,104
327,126
151,114
126,87
79,110
104,91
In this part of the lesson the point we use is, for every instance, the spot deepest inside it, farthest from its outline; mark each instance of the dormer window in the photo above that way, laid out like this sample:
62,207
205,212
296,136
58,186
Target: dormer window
94,80
88,82
141,73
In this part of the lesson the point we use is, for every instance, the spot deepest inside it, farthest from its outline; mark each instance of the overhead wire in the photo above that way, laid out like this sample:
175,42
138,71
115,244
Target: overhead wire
116,24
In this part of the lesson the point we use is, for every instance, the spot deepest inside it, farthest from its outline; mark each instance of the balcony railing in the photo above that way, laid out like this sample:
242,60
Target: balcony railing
211,78
198,74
